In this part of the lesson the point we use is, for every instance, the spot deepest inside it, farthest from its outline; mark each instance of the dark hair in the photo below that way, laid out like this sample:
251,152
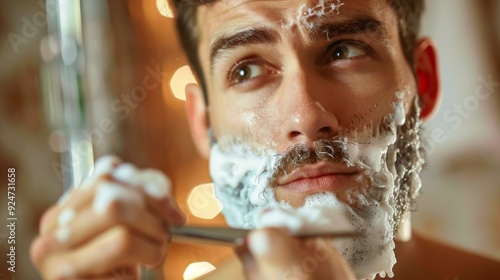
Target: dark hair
409,13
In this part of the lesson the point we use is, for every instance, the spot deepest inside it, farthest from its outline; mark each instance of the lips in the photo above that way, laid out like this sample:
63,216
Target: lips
318,177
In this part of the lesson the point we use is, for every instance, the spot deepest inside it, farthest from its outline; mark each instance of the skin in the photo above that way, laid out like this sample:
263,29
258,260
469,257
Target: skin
276,109
131,234
296,92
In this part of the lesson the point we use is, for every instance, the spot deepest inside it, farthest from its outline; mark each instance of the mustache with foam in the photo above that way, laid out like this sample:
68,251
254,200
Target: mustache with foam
333,150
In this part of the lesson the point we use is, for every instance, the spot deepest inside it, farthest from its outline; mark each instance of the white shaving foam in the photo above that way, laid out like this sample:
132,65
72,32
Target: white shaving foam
105,165
63,234
65,217
309,219
111,192
127,173
305,14
241,181
154,182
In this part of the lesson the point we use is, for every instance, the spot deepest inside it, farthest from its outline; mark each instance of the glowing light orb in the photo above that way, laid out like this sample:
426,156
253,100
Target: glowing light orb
197,269
182,77
164,8
202,202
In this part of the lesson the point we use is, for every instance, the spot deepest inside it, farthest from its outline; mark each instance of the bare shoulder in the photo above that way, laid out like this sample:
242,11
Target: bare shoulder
423,258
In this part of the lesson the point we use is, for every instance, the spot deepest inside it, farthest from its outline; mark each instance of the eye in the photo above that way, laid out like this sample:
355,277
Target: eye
345,50
246,71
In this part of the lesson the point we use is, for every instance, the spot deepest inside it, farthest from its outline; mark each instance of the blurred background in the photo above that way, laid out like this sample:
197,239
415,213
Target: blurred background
80,79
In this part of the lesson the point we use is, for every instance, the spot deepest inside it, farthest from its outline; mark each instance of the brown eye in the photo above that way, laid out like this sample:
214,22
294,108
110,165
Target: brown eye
346,51
243,73
246,72
339,52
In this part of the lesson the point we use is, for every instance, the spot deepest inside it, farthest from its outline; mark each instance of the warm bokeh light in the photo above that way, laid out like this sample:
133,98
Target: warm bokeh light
180,79
197,269
202,202
164,8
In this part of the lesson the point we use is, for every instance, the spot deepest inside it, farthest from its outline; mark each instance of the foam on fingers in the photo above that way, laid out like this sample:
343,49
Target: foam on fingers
105,165
65,217
154,183
110,192
127,173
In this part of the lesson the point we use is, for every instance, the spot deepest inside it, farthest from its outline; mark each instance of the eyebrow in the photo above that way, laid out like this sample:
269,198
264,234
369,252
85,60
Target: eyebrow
366,25
252,36
323,31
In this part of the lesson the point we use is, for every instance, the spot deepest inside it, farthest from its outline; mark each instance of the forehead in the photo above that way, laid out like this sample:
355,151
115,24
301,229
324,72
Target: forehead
227,16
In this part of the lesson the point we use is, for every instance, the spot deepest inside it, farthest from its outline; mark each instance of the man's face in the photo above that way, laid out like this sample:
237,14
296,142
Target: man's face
308,102
282,73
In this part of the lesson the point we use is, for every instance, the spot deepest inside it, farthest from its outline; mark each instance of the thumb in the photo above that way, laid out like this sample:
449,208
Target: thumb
279,256
276,254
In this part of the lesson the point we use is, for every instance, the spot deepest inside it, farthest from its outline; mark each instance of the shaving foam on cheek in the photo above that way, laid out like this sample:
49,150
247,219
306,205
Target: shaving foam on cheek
375,253
242,178
326,219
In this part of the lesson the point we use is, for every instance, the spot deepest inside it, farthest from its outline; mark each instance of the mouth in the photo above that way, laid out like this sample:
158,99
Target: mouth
318,178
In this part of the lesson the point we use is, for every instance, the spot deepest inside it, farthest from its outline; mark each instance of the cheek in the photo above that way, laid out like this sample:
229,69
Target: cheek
256,126
371,98
260,126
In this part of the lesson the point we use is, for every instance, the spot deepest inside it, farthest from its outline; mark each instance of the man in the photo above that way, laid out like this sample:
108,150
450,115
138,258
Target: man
310,112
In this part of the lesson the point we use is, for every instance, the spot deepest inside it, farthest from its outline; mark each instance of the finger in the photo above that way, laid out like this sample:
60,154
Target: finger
157,188
117,247
89,224
109,197
61,215
75,199
275,252
47,218
250,268
292,258
121,273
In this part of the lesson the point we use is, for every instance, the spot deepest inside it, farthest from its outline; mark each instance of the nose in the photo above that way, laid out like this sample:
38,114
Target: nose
306,112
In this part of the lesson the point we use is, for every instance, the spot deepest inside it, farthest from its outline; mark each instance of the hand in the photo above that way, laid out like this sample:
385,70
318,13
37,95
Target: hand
271,253
118,218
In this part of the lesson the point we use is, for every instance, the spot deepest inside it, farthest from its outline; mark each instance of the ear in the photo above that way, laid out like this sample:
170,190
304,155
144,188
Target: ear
428,77
197,117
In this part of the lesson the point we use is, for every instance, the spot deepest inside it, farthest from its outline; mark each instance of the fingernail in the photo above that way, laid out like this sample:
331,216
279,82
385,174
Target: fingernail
63,234
65,216
259,243
176,213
